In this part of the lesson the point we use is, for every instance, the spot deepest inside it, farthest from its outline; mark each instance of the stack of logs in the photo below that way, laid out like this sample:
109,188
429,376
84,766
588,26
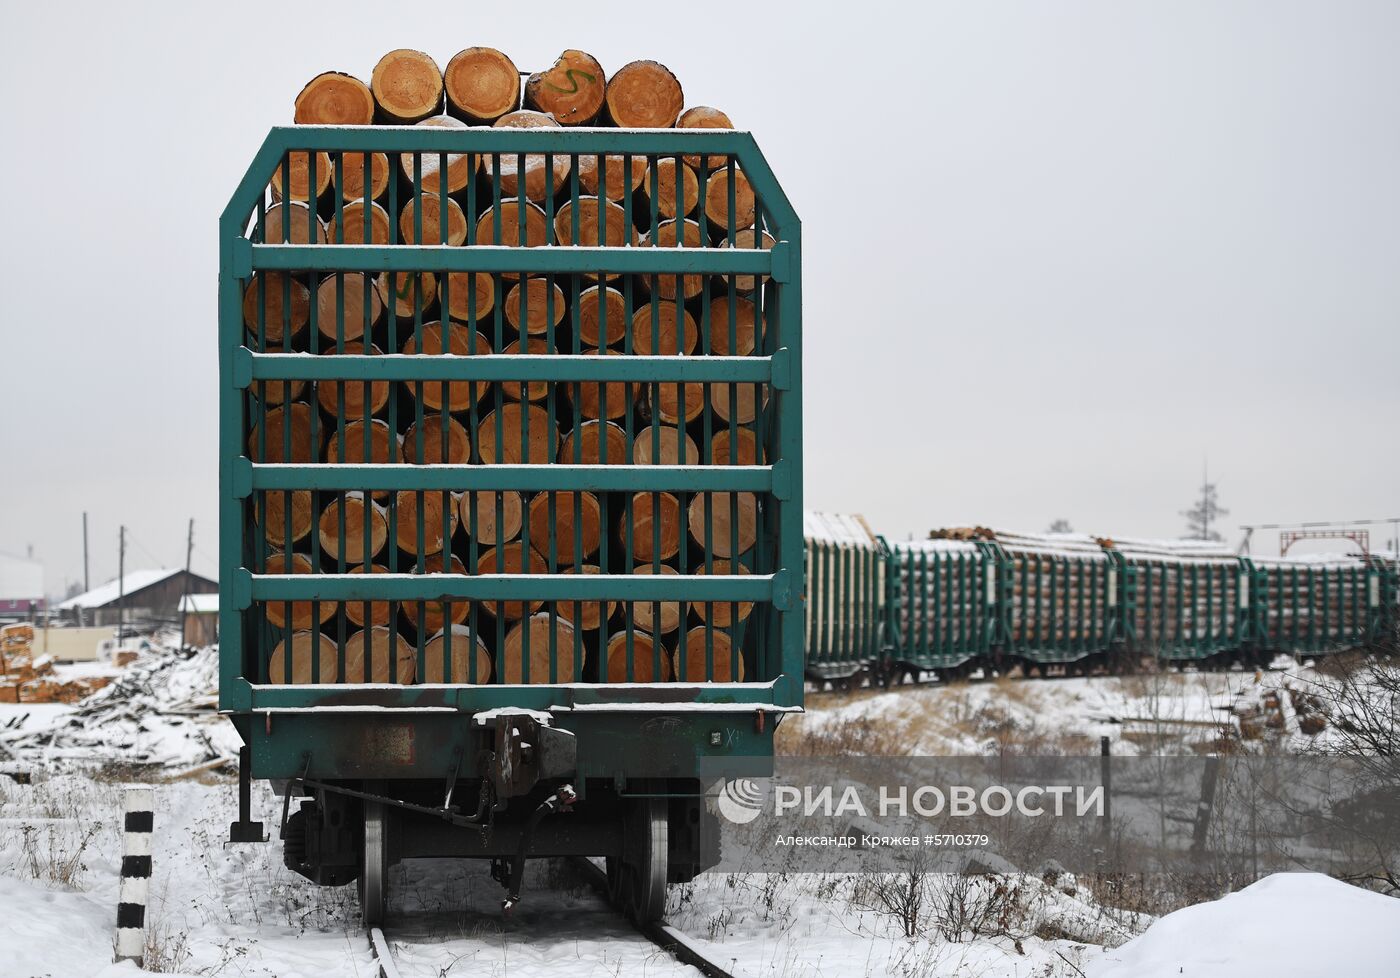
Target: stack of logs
27,679
349,199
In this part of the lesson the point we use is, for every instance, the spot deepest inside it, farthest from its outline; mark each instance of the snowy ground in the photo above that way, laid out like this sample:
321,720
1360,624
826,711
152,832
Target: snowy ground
234,910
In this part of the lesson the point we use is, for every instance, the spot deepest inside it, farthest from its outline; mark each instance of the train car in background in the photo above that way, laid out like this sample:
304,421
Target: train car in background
1182,600
845,574
1318,604
942,608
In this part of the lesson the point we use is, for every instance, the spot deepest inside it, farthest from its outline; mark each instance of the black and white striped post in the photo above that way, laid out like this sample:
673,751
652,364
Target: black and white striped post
139,806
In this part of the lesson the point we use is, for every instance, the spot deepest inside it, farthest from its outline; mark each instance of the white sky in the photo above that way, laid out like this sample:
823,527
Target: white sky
1056,254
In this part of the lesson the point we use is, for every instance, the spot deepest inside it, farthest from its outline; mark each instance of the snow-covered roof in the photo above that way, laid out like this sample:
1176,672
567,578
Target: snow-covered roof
107,593
199,604
838,528
21,579
1079,545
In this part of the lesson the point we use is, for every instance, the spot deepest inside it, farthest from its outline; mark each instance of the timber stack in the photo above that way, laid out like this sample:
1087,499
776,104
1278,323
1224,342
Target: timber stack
502,199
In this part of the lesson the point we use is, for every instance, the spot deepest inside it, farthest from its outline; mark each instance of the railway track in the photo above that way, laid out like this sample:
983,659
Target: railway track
660,934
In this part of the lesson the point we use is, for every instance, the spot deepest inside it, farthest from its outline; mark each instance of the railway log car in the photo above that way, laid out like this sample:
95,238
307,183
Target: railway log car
846,574
1182,600
1316,604
942,607
1057,598
461,619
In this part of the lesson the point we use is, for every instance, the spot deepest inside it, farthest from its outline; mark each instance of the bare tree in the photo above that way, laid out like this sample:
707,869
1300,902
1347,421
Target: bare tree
1206,511
1060,525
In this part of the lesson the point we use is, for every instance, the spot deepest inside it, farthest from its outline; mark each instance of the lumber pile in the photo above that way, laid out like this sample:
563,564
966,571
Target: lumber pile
462,200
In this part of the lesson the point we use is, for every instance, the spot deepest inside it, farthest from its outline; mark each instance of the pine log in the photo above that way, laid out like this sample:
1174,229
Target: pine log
532,422
487,528
666,401
644,95
407,87
432,221
572,89
434,617
470,296
717,201
369,653
607,401
352,176
595,215
576,519
723,522
739,450
704,117
745,401
721,613
461,167
586,616
348,396
345,292
274,392
509,214
511,558
302,642
361,444
601,310
544,305
696,645
651,663
748,238
660,444
304,614
292,222
660,183
277,323
461,342
459,446
541,629
334,98
377,612
535,390
410,292
644,612
482,85
535,177
743,312
657,321
466,650
273,516
350,228
438,521
294,417
350,545
294,170
595,443
611,180
674,234
645,519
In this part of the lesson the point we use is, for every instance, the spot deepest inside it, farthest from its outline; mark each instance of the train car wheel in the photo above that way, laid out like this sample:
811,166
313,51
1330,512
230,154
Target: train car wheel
374,865
637,878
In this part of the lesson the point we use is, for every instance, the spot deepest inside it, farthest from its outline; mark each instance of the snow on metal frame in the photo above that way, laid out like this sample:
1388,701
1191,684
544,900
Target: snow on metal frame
838,528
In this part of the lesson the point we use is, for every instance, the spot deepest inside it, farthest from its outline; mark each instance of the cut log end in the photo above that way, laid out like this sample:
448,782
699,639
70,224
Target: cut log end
344,527
482,84
576,521
572,89
334,98
644,95
492,517
464,652
649,660
407,87
656,526
704,645
543,631
704,117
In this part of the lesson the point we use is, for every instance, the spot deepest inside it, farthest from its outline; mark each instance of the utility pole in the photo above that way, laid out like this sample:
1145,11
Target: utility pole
86,586
189,555
121,585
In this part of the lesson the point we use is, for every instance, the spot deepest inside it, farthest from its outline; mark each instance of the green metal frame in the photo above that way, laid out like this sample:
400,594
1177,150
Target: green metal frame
1302,617
1211,613
1021,630
952,600
845,601
776,592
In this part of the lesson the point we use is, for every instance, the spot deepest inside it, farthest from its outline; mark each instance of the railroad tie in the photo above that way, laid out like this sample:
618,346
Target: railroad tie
139,807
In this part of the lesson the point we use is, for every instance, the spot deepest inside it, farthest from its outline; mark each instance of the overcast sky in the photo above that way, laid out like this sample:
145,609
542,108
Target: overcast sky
1057,254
